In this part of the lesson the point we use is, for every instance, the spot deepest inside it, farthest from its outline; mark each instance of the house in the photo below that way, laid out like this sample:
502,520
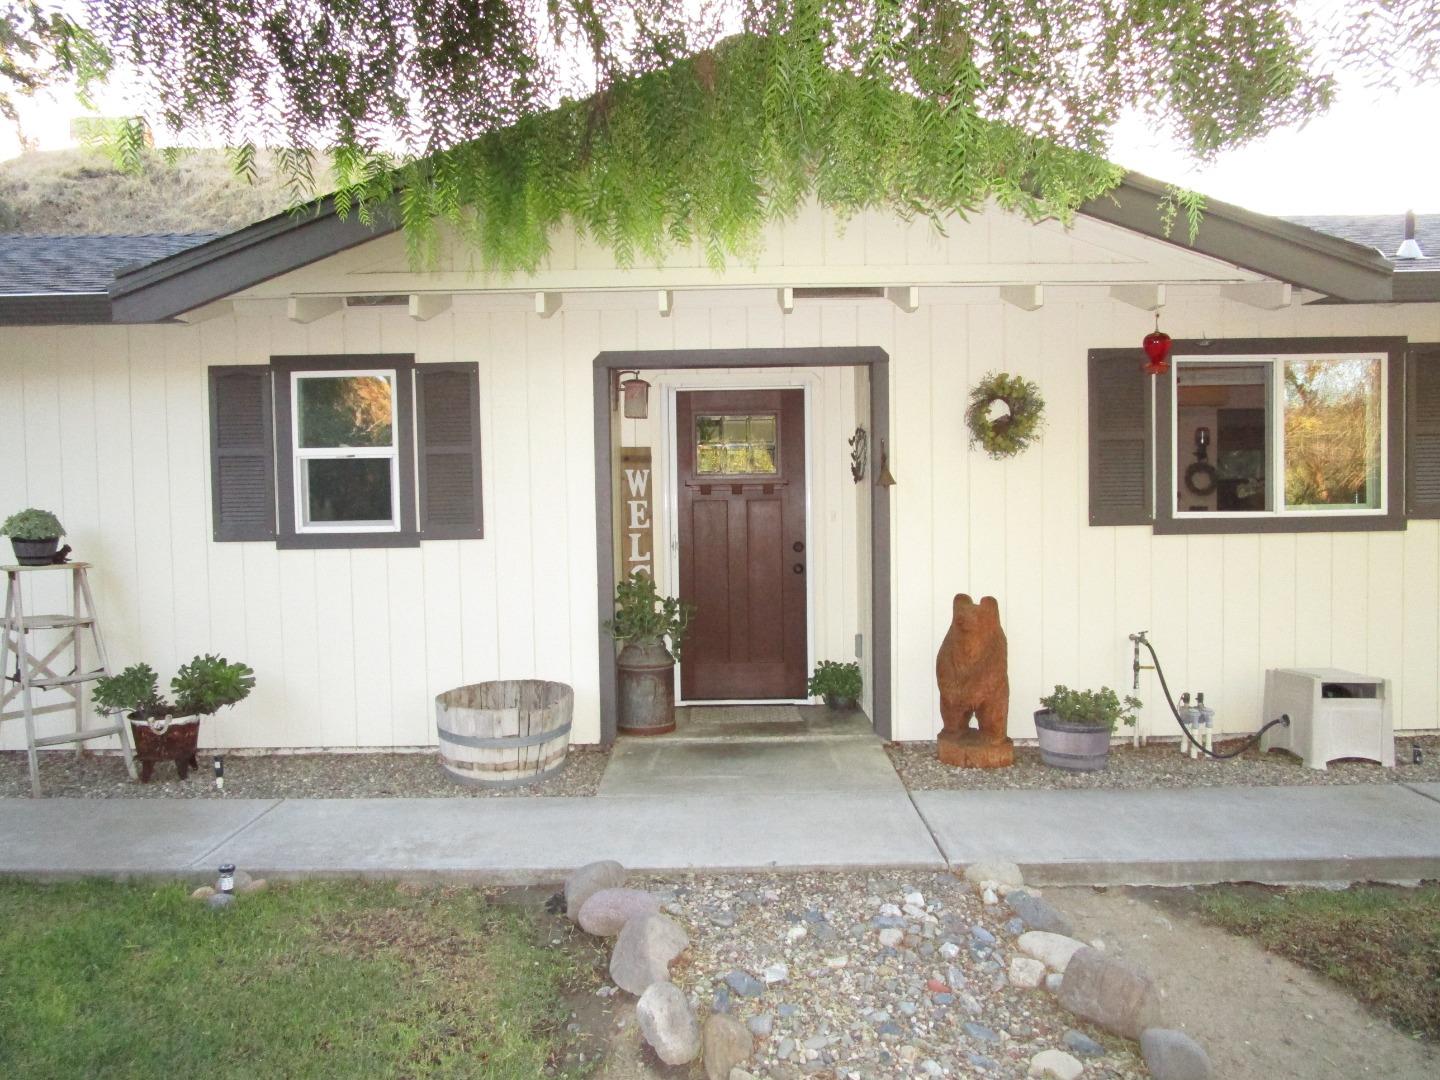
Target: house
372,484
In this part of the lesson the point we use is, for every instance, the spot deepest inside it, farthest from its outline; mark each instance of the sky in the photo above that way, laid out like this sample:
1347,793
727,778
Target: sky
1373,153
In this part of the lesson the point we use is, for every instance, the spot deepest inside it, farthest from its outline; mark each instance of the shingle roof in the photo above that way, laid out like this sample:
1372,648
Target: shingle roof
70,265
1382,232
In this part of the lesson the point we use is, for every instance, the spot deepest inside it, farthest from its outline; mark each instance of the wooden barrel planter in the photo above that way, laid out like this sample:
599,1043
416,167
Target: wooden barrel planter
506,733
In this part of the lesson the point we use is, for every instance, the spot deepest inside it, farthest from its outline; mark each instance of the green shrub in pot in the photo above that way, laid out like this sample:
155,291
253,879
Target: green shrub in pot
1074,726
839,684
1091,708
34,534
645,617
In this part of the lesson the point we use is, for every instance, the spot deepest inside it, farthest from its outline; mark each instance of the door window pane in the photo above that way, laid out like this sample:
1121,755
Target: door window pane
1221,444
1332,433
345,411
735,445
347,491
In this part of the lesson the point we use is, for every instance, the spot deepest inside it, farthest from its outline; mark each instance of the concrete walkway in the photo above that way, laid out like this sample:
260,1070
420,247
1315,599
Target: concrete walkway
1389,831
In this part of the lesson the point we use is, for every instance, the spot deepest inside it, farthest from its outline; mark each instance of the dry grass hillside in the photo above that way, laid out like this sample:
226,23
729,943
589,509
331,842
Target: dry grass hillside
81,192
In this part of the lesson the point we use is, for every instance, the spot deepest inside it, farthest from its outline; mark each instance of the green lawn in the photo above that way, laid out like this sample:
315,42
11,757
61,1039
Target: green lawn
316,979
1381,943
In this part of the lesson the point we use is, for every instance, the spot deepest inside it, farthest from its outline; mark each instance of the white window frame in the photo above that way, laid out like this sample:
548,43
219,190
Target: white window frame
300,455
1275,437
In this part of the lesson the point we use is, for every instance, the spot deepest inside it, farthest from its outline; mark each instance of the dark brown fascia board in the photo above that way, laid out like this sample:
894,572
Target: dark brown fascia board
54,309
224,266
1267,245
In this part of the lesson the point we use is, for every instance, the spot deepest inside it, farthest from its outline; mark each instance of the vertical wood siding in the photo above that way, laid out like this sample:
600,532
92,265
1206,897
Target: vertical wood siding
108,427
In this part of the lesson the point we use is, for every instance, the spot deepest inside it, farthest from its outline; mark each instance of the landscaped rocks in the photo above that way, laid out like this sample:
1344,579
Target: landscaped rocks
204,892
1026,973
644,950
1055,1065
726,1043
1109,993
587,881
606,912
999,871
1174,1055
1037,914
744,984
219,901
668,1023
1052,950
891,936
1077,1042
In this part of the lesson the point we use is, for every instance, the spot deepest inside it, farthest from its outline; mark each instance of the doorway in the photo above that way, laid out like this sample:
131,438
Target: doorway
740,500
875,619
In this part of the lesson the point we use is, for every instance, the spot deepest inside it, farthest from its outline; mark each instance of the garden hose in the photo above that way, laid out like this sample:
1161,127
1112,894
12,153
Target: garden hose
1250,740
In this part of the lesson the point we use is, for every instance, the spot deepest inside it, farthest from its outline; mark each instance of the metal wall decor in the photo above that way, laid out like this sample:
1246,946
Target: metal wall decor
859,454
884,478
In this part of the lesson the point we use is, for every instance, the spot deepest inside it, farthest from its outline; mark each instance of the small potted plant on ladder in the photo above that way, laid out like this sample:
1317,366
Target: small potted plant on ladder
170,731
1074,726
35,536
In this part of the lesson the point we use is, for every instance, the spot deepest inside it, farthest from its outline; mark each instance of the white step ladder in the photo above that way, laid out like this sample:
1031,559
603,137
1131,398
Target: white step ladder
38,674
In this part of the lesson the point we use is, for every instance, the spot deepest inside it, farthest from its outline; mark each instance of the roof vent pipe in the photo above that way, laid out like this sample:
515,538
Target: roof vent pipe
1409,249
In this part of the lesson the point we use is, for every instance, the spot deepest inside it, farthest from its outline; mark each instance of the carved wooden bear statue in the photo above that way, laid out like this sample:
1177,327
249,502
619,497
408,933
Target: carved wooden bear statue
974,681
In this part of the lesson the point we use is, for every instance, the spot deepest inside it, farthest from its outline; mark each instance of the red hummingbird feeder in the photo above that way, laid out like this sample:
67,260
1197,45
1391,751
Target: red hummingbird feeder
1157,348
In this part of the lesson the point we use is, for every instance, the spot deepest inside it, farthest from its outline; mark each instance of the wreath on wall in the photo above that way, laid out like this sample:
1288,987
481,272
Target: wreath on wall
1007,433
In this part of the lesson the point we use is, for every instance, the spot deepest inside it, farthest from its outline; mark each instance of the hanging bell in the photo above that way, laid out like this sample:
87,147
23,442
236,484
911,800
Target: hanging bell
1157,346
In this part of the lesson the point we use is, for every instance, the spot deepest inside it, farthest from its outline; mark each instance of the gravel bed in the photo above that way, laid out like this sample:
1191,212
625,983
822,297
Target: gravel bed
828,999
285,776
1161,765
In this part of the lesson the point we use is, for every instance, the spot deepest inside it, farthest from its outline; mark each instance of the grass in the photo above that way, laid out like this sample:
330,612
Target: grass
309,980
1379,942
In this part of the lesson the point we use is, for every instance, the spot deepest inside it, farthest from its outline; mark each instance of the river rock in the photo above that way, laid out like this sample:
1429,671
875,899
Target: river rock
1174,1055
726,1043
1077,1042
644,950
204,892
606,912
1052,950
999,871
1055,1065
1038,914
587,881
744,984
891,936
1109,993
668,1023
1026,973
219,901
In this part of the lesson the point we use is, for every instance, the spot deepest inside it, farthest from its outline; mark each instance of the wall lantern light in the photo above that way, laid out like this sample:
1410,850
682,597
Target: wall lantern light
635,393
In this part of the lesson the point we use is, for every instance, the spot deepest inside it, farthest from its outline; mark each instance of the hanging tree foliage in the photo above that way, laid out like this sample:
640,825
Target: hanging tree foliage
661,122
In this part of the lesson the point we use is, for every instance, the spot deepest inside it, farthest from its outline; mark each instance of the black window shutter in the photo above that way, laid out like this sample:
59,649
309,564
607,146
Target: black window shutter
447,438
1422,432
242,453
1121,439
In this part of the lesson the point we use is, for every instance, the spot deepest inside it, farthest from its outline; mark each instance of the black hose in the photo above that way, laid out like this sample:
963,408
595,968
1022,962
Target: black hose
1250,740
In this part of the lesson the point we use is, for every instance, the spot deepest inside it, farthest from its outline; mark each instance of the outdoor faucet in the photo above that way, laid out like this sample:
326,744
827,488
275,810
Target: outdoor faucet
1138,639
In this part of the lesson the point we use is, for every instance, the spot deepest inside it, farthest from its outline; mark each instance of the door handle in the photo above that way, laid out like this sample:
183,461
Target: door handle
799,568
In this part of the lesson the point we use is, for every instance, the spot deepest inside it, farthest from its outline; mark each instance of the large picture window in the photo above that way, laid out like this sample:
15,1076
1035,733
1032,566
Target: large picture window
1278,435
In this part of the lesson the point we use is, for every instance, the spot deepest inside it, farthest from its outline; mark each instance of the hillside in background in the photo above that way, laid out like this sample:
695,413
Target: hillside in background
81,192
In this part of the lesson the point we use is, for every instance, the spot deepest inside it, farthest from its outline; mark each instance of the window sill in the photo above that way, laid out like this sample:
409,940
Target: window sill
1169,526
321,541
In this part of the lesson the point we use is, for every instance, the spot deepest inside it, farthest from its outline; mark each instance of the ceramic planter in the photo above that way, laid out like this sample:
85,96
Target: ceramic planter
176,743
1075,747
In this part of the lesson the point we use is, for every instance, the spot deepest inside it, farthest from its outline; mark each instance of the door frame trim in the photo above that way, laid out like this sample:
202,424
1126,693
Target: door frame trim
670,438
872,357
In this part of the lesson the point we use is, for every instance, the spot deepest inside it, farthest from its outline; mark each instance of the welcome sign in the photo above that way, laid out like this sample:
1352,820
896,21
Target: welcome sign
638,525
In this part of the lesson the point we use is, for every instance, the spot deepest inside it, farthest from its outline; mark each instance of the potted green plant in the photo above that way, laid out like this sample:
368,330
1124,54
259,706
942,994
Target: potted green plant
169,730
35,536
651,628
839,684
1074,726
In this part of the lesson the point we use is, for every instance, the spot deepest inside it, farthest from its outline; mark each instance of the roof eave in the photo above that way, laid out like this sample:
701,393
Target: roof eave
54,309
224,266
1267,245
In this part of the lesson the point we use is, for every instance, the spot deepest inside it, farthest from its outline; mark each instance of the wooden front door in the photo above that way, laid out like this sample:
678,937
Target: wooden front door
741,476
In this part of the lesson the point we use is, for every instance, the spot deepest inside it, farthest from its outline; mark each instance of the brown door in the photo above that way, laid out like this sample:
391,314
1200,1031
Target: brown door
743,562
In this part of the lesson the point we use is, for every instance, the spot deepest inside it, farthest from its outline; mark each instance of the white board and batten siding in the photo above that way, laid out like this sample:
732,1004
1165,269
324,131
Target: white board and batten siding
108,427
